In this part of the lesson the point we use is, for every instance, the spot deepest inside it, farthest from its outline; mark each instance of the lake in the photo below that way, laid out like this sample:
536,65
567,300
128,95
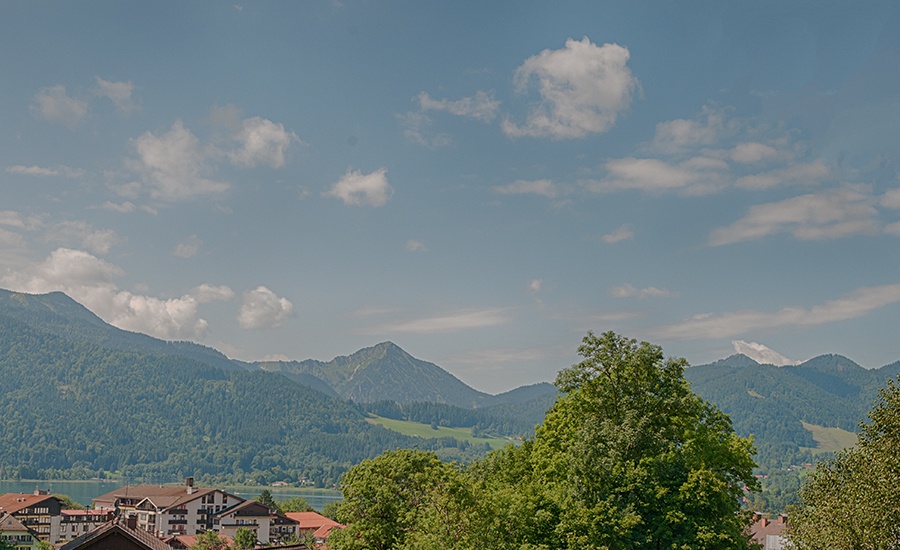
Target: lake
83,492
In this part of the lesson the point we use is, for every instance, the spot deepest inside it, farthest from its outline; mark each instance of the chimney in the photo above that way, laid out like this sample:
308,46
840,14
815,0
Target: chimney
131,522
782,518
190,485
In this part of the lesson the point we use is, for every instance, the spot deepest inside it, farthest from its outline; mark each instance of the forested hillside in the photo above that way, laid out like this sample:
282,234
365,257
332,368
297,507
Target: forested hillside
383,372
75,408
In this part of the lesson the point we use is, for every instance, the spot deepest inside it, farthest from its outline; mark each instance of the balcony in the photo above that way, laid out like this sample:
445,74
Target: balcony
177,522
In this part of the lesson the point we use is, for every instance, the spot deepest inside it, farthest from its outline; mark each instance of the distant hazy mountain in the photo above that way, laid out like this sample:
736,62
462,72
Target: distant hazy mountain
384,372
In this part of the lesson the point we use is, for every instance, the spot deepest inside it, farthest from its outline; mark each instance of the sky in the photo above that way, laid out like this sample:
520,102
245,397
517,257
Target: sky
481,183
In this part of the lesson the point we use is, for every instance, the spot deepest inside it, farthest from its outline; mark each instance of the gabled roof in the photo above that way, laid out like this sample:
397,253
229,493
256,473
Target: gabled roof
249,508
9,524
162,496
309,521
140,538
13,502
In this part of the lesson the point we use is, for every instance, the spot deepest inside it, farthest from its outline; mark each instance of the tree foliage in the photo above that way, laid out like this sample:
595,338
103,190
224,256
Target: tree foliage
627,458
244,539
852,501
210,540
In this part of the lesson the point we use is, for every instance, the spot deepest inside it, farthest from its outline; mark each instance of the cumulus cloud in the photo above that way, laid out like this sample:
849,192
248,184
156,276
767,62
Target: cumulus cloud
853,305
828,215
174,165
453,322
482,106
583,88
542,187
413,245
631,291
263,309
622,233
761,354
261,141
91,281
46,171
55,105
189,248
120,93
358,189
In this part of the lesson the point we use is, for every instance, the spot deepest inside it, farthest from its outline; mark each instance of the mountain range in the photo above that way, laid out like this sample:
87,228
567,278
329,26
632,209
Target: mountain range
80,396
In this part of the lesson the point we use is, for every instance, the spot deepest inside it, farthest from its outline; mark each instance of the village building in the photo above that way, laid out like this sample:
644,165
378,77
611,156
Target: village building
74,523
169,510
39,512
15,534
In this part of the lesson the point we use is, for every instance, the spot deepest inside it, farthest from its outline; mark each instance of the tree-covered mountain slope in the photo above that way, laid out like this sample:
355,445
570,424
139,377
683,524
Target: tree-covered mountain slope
73,407
56,313
384,372
771,403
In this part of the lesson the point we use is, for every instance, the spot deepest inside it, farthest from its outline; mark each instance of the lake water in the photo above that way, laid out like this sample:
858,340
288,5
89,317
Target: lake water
83,492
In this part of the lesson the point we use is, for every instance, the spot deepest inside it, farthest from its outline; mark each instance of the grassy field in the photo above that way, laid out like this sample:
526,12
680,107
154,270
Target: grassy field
830,440
427,432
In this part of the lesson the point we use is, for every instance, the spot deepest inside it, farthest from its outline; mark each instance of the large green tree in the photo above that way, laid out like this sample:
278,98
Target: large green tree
634,459
852,502
627,458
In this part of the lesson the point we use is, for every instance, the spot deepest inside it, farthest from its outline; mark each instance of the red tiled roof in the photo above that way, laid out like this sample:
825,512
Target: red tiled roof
13,502
310,520
162,496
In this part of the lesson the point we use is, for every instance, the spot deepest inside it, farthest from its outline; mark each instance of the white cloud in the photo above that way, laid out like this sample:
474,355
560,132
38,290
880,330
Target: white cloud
11,238
261,142
90,281
891,199
11,218
797,174
358,189
752,152
43,171
630,291
482,106
175,164
544,187
417,129
892,229
583,88
694,176
761,354
413,245
622,233
189,248
55,105
828,215
454,322
120,93
122,208
82,234
853,305
263,309
675,136
535,286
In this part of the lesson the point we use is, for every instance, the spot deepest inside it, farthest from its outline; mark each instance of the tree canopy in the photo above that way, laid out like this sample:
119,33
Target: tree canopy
627,458
852,501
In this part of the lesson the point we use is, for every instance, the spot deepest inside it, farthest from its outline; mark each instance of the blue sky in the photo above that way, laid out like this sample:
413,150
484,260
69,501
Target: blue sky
479,182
